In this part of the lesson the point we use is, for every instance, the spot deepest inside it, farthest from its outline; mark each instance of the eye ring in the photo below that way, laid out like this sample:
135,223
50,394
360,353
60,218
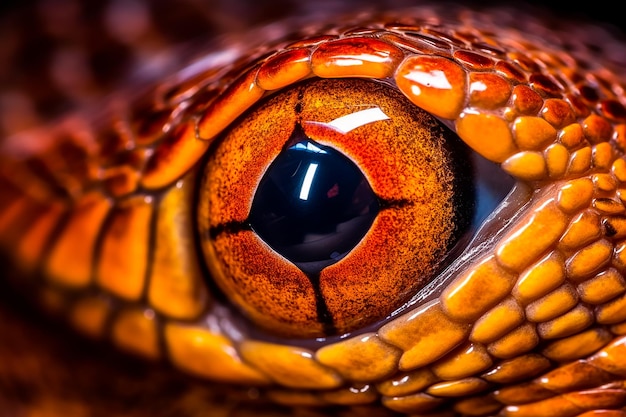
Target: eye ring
418,171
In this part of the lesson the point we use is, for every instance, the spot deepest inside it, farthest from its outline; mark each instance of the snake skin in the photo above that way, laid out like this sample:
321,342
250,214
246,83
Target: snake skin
535,345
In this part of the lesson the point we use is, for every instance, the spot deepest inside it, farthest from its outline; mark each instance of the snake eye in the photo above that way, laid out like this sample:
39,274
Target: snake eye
330,204
313,205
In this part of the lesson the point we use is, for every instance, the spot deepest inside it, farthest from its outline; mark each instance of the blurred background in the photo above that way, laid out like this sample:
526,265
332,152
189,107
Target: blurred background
58,54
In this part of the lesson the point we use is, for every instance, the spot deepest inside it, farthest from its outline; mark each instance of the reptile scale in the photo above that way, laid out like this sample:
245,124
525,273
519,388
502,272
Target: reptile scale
413,211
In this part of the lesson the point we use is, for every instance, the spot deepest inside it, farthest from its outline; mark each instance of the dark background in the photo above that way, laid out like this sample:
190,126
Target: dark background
596,10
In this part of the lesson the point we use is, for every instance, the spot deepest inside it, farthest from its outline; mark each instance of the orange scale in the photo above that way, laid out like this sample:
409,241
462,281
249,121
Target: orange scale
618,168
473,60
467,360
614,226
176,285
612,312
603,287
597,398
435,84
172,158
597,129
487,134
459,388
289,366
580,161
604,182
511,71
583,230
465,299
136,331
554,406
521,340
70,259
611,357
603,156
533,133
200,352
575,375
608,206
33,242
362,358
517,369
577,346
546,84
526,100
284,68
578,105
488,91
535,234
557,158
524,61
490,46
124,252
619,256
229,105
355,57
557,112
522,393
404,383
407,43
425,335
440,45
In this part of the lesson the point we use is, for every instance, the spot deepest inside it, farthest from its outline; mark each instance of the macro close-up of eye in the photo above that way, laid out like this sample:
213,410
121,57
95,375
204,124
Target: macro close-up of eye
349,172
311,210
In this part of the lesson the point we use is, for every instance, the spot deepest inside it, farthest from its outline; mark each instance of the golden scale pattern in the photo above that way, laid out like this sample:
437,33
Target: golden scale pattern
534,326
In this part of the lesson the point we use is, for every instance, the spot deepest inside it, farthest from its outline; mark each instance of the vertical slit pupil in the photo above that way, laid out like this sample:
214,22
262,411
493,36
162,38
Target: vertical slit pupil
313,205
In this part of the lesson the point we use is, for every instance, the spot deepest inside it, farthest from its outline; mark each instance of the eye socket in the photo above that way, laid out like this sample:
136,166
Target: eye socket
284,249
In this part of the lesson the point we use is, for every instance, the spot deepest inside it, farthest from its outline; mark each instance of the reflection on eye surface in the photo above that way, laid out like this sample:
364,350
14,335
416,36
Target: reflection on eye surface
402,176
170,226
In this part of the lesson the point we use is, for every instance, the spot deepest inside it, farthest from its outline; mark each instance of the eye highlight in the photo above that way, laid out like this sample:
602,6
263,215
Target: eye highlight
306,257
313,205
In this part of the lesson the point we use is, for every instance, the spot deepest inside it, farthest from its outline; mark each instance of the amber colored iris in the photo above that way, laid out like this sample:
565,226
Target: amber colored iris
407,199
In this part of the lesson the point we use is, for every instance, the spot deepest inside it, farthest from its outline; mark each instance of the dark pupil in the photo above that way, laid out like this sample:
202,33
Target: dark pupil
313,204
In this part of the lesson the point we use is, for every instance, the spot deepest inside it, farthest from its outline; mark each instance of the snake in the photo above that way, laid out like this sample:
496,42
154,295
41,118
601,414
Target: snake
414,211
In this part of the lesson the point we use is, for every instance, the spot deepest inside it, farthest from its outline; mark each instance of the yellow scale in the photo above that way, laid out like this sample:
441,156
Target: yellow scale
528,322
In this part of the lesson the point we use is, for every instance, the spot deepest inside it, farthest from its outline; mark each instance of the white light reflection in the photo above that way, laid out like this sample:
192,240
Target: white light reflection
308,146
345,124
478,86
433,79
308,181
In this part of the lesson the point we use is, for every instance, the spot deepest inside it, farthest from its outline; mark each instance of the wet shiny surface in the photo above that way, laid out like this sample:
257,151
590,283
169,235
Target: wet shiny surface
553,263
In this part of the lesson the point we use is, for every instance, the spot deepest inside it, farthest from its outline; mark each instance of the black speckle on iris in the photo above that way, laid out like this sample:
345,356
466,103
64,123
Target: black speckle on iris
313,205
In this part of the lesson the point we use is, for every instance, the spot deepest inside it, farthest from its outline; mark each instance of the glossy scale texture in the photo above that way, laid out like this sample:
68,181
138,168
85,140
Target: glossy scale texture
530,323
